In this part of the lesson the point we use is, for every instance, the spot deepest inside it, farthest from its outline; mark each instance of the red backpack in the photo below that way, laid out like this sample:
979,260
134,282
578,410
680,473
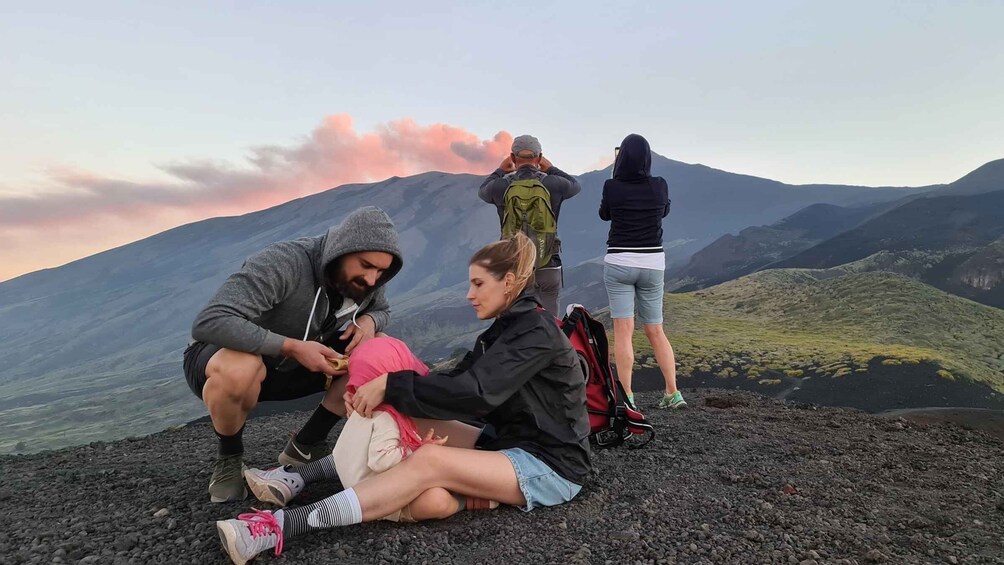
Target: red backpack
612,421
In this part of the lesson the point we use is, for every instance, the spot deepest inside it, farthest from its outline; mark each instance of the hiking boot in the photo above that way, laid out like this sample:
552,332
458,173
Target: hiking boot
297,453
227,484
674,401
249,535
277,486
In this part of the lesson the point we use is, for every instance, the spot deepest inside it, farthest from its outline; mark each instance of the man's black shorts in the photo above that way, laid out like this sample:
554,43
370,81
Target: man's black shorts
278,385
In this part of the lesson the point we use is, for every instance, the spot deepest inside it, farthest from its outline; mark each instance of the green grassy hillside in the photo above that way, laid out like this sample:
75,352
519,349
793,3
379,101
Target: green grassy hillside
816,323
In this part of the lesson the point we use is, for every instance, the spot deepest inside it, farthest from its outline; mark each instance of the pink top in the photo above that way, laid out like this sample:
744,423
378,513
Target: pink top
386,355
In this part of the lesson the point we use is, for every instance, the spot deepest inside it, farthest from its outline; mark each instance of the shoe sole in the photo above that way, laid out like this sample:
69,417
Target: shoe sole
265,492
228,537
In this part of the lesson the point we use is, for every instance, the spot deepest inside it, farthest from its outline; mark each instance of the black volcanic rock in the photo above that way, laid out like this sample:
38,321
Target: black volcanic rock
760,482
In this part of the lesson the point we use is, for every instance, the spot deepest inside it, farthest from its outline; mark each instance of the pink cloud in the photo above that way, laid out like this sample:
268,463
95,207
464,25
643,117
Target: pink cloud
333,154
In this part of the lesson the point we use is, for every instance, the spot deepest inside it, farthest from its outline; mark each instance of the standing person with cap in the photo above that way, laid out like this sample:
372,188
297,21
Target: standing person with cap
527,189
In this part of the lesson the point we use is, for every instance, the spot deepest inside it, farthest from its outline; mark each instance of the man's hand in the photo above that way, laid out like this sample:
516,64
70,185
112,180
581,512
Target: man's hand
368,397
507,165
312,355
545,165
363,330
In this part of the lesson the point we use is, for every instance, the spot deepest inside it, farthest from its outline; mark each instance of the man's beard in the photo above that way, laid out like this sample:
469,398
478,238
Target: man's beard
357,289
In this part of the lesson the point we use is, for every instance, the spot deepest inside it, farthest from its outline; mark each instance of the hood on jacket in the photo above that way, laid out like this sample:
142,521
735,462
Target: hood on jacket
366,229
634,160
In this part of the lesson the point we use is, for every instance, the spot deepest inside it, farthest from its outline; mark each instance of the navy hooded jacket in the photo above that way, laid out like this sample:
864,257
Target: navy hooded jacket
634,202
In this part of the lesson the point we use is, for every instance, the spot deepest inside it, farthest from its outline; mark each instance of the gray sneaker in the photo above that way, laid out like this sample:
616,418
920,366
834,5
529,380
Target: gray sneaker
297,453
249,535
277,486
227,482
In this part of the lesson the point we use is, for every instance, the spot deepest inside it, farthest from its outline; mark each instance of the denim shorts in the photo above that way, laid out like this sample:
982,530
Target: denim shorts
627,285
540,485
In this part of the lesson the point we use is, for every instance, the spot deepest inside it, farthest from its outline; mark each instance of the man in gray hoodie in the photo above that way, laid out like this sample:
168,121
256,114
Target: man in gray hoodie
274,328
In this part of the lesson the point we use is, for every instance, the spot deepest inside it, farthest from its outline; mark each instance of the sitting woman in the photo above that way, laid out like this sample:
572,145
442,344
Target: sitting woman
369,446
523,378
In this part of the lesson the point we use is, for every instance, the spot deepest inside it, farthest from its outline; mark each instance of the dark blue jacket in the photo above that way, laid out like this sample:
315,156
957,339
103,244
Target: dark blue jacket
634,202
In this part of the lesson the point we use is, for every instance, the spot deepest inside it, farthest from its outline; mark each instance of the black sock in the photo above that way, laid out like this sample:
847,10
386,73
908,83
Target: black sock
318,426
320,470
231,445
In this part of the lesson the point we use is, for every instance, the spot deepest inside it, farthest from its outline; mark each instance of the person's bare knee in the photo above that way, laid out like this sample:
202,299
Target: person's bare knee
623,326
653,331
433,504
424,463
233,377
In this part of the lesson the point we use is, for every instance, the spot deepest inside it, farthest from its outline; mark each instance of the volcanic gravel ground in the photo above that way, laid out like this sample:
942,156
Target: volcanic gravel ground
737,478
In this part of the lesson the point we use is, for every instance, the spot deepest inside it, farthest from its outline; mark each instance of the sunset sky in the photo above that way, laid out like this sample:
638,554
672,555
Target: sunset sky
120,120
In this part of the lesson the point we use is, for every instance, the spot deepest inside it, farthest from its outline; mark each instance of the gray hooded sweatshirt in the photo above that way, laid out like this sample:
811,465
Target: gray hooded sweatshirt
280,291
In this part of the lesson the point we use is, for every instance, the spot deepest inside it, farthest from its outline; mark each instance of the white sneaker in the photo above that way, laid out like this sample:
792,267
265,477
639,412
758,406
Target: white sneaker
278,486
249,535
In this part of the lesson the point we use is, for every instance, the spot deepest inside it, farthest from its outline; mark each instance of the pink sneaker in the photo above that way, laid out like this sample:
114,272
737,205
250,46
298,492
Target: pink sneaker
249,535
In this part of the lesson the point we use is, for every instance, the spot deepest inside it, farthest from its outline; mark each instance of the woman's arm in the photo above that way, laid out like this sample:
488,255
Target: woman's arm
498,374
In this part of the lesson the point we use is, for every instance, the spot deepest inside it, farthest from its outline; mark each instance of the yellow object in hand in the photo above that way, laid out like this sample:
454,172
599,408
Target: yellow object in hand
339,364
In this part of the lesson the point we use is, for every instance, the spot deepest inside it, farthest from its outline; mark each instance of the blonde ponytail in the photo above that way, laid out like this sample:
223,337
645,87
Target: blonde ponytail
516,255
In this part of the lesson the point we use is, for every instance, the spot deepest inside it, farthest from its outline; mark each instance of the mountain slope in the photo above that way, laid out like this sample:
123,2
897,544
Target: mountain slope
834,323
706,203
732,256
936,223
94,347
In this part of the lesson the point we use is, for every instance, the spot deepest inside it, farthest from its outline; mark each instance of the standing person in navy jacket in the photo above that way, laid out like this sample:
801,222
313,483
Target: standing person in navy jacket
635,202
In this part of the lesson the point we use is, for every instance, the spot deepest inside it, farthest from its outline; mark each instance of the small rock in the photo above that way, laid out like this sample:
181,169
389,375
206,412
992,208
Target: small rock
808,562
161,513
953,559
624,535
789,489
126,542
753,535
723,402
874,556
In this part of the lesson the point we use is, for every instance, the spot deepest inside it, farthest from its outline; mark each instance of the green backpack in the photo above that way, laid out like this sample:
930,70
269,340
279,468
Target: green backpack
527,208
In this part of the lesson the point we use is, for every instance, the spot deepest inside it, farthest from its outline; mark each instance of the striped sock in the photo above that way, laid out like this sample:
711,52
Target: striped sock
341,509
320,470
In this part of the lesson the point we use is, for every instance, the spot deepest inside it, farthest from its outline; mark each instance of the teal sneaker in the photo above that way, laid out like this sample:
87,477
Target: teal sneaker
674,401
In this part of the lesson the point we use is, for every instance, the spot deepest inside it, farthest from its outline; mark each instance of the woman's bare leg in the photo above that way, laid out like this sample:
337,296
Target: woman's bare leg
664,355
624,351
484,474
433,504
